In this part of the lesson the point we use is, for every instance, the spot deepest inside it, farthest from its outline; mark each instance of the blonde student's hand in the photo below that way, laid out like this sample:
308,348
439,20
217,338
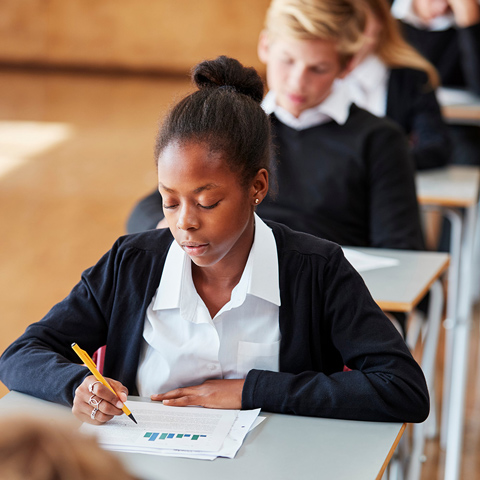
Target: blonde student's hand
94,403
210,394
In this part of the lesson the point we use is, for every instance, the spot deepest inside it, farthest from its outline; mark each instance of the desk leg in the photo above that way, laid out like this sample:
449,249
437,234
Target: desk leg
460,351
435,309
476,260
456,221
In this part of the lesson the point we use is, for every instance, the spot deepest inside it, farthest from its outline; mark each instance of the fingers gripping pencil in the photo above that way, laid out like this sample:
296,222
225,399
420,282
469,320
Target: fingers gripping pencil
85,357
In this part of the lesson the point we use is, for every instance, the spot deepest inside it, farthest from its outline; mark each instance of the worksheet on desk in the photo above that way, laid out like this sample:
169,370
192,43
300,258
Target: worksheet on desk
187,431
363,261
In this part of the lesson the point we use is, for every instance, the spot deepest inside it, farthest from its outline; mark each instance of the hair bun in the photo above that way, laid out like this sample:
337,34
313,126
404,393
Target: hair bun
228,72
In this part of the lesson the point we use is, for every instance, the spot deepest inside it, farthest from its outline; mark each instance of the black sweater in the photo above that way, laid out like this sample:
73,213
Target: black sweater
327,320
352,184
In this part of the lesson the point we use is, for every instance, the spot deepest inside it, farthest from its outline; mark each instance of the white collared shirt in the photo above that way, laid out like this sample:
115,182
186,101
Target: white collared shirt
367,85
183,345
335,107
403,10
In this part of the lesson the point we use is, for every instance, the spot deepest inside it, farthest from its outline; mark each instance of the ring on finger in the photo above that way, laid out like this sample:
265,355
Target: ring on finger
93,402
94,412
90,387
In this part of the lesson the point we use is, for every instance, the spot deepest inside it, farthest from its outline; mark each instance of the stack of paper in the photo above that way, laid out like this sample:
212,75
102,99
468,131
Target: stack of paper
363,262
192,432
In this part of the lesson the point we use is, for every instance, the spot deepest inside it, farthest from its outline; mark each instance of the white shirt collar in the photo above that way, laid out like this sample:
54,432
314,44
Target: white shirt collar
335,107
403,10
260,277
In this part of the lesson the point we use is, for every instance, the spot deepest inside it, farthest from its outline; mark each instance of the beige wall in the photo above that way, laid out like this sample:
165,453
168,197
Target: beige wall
144,35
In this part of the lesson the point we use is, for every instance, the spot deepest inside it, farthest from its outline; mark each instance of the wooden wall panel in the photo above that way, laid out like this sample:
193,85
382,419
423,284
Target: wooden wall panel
140,35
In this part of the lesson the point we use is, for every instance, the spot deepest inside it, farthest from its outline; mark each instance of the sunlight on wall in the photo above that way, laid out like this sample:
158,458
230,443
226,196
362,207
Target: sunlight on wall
21,141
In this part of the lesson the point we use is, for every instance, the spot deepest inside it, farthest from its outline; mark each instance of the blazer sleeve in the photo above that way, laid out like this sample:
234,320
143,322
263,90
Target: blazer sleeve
428,133
382,383
41,362
469,46
394,213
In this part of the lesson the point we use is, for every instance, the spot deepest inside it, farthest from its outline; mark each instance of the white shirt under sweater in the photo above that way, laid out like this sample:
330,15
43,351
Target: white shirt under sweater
183,345
403,10
368,85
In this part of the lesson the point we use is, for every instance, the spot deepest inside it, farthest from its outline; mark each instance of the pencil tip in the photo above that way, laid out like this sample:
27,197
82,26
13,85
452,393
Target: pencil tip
133,418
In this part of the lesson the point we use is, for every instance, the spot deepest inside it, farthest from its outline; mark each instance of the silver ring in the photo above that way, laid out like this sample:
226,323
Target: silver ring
93,402
90,387
94,412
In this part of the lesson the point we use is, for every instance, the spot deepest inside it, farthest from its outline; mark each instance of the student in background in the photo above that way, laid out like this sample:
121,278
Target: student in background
447,33
221,309
390,78
343,174
36,449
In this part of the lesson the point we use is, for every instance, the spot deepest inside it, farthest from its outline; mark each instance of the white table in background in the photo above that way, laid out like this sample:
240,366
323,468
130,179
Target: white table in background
283,447
450,189
400,288
459,106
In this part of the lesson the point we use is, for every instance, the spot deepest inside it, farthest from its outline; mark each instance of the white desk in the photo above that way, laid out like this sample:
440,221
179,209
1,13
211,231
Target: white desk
448,189
459,106
283,447
399,289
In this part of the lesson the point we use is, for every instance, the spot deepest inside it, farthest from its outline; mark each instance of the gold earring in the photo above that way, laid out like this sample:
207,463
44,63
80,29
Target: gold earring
257,201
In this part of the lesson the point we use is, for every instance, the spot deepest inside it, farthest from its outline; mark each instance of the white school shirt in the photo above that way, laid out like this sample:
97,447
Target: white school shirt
335,107
403,10
183,345
368,85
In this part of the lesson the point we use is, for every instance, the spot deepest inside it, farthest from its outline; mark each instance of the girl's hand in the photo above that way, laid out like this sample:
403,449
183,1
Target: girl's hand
211,394
95,403
466,12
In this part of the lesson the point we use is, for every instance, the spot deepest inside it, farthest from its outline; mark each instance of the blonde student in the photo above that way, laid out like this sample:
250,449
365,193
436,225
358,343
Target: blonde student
343,174
390,78
221,309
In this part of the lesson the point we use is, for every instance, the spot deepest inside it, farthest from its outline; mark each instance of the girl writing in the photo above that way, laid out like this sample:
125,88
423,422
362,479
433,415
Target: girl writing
221,309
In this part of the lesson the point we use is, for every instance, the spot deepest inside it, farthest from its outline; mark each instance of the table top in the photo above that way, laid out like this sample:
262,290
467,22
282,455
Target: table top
459,106
282,447
451,186
400,288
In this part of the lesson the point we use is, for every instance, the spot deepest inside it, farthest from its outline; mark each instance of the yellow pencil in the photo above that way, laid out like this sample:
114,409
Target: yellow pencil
85,357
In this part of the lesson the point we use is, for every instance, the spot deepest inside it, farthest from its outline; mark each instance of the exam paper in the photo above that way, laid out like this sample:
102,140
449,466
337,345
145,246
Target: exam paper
363,262
176,431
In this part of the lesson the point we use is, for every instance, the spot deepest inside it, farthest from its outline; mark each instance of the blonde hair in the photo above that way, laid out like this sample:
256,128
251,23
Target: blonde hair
392,48
35,449
339,21
344,22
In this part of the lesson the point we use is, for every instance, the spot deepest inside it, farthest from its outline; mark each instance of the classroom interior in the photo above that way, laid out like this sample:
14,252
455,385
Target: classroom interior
83,89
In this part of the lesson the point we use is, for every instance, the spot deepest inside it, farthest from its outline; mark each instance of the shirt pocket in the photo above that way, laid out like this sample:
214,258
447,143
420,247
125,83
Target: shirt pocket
259,356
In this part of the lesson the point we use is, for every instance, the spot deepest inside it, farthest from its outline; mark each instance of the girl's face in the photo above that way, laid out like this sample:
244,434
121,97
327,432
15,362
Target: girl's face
300,72
208,211
427,10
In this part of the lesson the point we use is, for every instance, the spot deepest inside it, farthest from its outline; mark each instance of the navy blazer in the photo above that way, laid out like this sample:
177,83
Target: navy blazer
455,52
412,103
